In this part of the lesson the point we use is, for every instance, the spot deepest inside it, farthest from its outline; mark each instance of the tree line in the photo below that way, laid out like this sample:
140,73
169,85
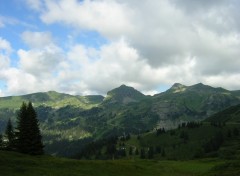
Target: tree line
26,137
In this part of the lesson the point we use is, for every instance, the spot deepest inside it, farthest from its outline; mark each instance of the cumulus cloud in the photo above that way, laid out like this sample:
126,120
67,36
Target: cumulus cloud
5,51
35,4
161,31
109,17
148,44
37,39
98,70
37,67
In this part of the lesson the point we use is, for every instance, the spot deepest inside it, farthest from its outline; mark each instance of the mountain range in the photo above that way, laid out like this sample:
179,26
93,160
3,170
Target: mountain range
76,120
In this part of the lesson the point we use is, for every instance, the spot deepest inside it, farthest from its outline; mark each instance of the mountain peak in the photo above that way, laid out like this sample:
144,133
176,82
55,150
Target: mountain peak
124,94
177,87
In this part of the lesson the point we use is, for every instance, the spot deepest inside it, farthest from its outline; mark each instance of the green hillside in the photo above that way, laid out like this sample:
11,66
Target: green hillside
197,102
52,99
229,115
190,141
123,95
14,164
68,122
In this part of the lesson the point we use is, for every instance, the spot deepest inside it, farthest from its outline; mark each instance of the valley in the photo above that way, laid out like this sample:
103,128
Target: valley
69,122
187,130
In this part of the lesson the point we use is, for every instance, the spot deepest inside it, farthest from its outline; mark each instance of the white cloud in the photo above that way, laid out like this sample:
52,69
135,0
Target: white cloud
108,17
5,46
5,51
44,56
37,39
148,43
20,82
35,4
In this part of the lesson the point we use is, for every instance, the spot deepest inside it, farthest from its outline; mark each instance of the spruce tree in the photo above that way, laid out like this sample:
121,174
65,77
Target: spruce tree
1,142
36,147
9,134
28,136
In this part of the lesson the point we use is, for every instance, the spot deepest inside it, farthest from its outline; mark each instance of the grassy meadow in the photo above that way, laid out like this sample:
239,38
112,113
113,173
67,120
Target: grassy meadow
15,164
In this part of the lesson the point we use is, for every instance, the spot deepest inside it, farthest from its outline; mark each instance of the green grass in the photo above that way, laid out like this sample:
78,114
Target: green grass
15,164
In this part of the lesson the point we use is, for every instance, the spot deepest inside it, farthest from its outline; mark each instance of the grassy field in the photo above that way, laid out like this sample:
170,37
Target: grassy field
14,164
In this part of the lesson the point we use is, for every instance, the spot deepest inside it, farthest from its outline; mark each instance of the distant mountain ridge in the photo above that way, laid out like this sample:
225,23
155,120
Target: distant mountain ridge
72,118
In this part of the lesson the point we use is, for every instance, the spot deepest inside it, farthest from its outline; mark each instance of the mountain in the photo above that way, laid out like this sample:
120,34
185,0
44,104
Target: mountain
68,122
123,95
196,102
52,99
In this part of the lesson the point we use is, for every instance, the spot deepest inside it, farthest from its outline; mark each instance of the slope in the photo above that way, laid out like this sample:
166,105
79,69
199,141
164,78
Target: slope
14,164
68,122
229,115
196,102
123,95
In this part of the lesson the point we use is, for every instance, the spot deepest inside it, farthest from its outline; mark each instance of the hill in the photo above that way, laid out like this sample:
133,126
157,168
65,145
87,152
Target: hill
14,164
123,95
187,103
229,115
190,141
69,122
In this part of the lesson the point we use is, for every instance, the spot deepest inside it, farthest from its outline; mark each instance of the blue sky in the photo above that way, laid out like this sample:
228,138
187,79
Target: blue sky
89,47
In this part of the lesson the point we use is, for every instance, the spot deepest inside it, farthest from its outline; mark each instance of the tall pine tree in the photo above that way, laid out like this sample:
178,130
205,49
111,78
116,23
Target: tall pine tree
9,134
28,136
1,142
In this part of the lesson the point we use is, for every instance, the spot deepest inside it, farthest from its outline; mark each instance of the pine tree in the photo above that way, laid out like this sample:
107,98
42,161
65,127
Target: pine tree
36,147
9,134
21,130
142,154
29,139
1,142
150,153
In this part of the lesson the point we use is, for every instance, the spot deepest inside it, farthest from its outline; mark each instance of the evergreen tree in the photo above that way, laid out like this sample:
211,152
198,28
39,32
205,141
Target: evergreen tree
130,150
163,153
150,153
1,142
142,154
136,151
9,133
29,139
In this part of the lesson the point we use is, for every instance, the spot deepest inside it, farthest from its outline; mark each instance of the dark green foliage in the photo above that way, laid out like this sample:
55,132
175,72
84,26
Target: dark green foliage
10,136
136,151
191,124
184,136
163,154
160,131
121,152
230,114
1,142
158,149
28,136
150,153
102,149
130,150
214,143
142,153
235,132
229,133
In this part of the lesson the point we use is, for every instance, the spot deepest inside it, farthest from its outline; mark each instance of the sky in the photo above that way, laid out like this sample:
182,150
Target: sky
92,46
